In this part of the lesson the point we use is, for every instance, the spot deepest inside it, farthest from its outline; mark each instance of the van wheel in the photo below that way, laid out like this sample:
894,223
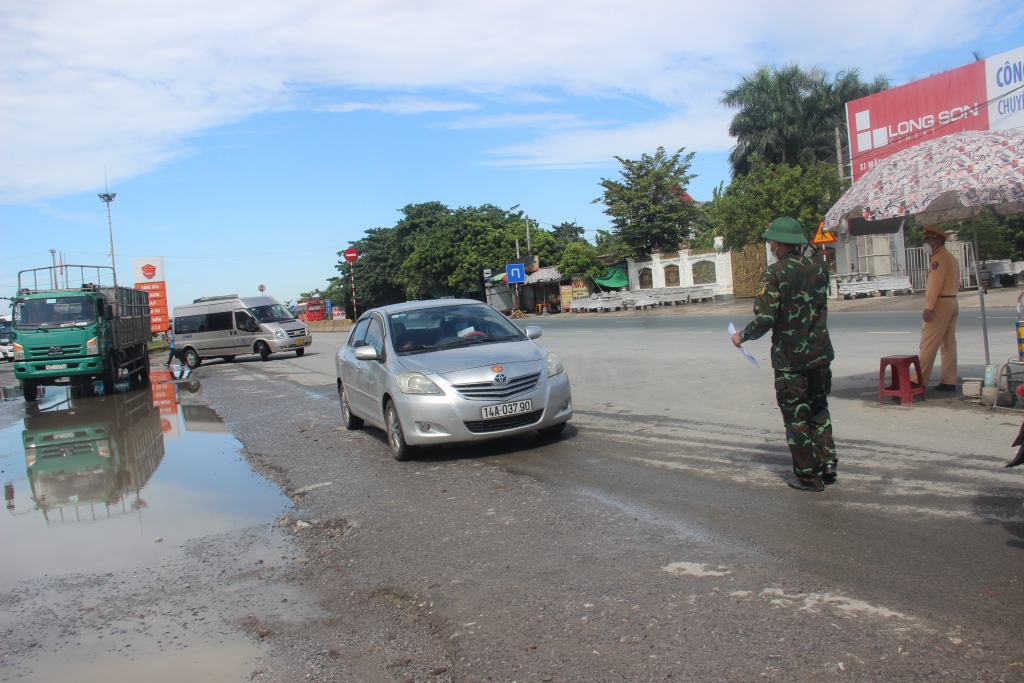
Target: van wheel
227,359
396,437
351,421
192,359
264,351
299,352
29,388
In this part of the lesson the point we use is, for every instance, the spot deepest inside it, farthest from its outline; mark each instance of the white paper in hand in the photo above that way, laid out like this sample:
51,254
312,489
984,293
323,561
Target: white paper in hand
732,331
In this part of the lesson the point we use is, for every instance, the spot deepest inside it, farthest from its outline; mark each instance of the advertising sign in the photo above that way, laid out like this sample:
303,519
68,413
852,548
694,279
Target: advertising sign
566,291
515,273
149,277
983,95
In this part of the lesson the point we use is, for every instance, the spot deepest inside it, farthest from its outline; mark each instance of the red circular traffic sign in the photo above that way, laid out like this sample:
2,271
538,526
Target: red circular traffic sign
350,254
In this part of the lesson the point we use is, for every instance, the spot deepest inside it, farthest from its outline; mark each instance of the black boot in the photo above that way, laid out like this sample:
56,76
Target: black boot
945,387
806,484
828,474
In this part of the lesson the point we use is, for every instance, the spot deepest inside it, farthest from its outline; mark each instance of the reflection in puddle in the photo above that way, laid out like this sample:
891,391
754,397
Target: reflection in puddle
110,491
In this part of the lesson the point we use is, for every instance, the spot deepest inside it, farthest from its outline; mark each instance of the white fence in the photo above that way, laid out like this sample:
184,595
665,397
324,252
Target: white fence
916,262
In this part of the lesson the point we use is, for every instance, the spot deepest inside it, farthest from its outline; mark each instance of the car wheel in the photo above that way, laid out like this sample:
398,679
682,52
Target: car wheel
396,437
299,352
264,351
192,359
351,421
553,430
227,359
29,388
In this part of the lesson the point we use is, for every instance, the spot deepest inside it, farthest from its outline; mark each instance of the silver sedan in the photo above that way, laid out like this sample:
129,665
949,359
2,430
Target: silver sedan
448,371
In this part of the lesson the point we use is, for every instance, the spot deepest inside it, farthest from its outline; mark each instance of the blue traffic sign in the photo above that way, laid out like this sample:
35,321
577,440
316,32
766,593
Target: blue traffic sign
515,273
328,308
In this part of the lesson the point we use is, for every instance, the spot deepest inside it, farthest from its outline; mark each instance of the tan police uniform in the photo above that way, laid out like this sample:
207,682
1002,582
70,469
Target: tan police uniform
940,332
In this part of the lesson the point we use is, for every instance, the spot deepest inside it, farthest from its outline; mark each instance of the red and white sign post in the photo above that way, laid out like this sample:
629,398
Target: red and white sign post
351,255
149,277
983,95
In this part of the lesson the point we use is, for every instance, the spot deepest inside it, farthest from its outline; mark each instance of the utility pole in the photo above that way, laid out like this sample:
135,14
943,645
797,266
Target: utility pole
529,248
839,154
517,249
352,279
53,273
106,198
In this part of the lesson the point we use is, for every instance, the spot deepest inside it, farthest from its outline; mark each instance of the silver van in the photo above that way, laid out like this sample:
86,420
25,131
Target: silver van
229,326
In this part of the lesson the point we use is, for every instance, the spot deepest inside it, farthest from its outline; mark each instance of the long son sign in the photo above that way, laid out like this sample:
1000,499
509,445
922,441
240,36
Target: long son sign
986,94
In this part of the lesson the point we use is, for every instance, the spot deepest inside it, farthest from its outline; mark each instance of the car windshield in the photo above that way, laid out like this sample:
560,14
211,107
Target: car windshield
5,331
271,313
58,312
446,327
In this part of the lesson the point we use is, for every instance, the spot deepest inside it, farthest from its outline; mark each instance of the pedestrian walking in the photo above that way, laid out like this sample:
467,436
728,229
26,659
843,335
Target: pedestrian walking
938,331
170,340
792,302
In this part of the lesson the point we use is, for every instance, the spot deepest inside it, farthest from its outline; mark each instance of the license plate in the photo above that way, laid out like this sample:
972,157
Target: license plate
506,409
61,366
300,342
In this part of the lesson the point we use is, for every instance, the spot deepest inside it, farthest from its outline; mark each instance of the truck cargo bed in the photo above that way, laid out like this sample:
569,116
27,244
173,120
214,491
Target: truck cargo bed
131,316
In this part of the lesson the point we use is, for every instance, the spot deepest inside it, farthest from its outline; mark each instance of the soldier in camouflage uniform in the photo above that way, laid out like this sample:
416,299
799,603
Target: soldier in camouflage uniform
792,302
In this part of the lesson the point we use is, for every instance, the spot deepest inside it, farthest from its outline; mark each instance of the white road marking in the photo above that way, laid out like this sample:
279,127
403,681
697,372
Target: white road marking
693,569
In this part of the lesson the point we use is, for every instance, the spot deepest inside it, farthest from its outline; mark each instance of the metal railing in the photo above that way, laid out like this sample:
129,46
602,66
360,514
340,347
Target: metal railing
56,278
916,263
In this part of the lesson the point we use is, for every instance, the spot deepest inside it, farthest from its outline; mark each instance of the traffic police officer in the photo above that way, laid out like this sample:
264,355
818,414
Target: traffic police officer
792,302
940,312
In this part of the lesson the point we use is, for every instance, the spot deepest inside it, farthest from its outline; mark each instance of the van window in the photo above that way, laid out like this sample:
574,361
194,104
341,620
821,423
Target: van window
218,322
185,324
359,333
375,335
240,318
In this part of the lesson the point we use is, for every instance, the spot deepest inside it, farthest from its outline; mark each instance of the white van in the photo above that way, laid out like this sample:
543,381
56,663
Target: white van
229,326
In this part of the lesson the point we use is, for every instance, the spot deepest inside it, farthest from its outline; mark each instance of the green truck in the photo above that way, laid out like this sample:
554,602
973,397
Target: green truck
69,327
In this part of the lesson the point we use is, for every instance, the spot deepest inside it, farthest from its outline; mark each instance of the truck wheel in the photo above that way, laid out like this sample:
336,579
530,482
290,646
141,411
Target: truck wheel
29,388
299,352
192,359
109,376
264,351
144,373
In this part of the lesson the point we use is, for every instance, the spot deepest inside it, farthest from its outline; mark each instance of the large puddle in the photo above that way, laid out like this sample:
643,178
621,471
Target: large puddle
113,493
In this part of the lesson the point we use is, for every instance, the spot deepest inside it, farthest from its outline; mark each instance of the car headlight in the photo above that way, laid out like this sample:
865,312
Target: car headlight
279,334
416,383
554,365
92,347
19,351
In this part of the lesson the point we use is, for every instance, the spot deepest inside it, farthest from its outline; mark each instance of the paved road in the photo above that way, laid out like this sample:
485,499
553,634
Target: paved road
673,423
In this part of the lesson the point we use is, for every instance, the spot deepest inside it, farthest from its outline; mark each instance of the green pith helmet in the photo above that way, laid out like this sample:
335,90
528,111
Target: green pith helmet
786,230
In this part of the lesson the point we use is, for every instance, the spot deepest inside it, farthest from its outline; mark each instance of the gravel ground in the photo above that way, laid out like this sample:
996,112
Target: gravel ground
451,568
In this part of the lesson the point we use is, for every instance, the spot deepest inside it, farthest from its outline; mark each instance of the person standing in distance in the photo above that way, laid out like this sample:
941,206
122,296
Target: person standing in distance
792,302
170,341
940,312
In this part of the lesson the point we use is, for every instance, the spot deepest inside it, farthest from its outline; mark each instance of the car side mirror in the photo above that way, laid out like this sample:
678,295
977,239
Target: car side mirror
365,353
533,332
108,312
250,325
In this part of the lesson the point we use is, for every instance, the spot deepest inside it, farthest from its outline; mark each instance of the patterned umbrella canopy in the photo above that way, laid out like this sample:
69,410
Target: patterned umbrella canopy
942,179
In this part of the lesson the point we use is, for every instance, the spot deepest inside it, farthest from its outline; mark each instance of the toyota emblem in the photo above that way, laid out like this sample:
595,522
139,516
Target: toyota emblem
500,379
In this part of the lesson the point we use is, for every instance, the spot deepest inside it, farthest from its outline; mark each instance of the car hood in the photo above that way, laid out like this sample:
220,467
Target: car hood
468,357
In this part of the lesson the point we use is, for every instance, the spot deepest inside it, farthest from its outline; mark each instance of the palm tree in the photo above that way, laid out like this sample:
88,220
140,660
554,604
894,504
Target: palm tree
785,111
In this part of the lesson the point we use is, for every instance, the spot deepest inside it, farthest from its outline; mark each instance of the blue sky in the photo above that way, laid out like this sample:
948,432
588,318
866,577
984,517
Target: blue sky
249,142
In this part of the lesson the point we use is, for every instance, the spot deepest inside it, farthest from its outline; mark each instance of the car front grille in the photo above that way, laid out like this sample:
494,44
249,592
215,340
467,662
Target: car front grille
66,350
297,333
489,391
487,426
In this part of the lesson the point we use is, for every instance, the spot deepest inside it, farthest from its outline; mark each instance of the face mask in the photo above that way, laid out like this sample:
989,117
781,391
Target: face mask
928,248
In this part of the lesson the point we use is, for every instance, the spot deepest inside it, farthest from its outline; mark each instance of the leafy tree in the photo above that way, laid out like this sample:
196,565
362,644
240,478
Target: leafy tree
786,110
751,202
581,258
565,234
646,205
608,243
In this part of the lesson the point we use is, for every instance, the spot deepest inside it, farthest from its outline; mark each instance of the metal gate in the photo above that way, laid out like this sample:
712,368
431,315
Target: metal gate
916,263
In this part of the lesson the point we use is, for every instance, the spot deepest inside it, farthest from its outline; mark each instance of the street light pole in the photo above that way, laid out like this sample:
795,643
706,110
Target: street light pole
106,198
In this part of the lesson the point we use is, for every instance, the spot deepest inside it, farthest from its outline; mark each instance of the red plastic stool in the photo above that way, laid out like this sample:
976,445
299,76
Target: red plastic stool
900,386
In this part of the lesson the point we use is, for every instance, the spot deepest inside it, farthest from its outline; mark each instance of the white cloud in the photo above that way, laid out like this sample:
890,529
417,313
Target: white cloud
539,120
86,82
401,105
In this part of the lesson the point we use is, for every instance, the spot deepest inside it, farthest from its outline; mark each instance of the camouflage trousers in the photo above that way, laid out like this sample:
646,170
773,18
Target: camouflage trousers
803,400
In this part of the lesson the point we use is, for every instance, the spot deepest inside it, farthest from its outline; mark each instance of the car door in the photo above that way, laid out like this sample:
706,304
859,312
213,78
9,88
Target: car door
243,337
349,368
221,329
371,375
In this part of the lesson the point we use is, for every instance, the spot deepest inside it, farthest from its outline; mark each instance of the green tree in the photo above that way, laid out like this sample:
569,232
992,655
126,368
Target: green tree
646,205
751,202
581,258
786,110
609,244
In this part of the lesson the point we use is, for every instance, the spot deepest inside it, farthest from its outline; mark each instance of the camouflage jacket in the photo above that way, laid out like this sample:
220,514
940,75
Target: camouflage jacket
792,302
